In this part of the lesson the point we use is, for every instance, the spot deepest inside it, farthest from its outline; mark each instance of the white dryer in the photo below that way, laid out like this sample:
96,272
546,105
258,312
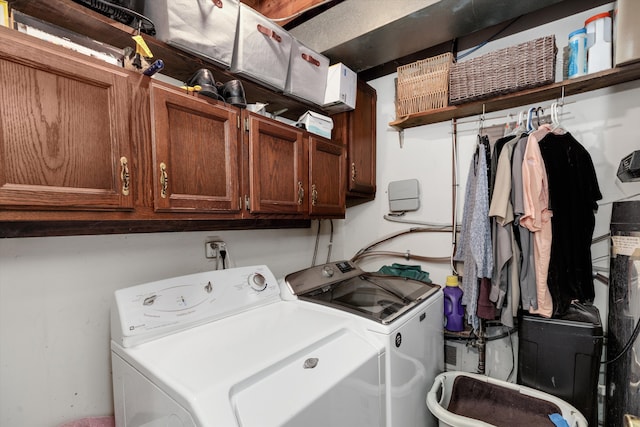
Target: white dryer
222,349
402,314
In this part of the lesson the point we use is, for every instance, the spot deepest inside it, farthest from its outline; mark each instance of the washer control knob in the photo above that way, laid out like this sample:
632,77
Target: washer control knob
257,282
327,271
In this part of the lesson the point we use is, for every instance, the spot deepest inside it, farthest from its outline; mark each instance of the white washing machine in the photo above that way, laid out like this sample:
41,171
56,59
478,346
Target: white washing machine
402,314
222,349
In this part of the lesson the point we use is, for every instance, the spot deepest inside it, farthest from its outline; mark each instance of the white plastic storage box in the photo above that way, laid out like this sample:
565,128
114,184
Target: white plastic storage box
262,49
317,123
203,27
307,77
340,94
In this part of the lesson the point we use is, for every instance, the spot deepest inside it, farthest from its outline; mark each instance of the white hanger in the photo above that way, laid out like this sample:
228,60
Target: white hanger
555,117
519,124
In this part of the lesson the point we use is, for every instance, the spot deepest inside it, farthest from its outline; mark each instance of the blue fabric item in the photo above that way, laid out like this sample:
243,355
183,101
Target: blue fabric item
558,420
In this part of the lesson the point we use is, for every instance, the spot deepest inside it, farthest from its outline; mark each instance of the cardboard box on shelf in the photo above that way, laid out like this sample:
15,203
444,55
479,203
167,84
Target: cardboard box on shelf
340,94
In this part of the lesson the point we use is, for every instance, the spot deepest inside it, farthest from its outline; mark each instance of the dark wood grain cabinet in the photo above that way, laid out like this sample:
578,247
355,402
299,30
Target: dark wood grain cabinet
195,153
356,130
276,167
90,148
326,177
290,172
64,131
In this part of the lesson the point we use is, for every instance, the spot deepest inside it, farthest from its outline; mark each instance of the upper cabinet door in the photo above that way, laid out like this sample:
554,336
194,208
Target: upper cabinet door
361,154
64,130
195,153
326,176
277,168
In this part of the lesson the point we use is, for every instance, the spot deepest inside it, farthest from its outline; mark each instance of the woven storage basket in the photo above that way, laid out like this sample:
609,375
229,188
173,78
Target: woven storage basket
423,85
507,70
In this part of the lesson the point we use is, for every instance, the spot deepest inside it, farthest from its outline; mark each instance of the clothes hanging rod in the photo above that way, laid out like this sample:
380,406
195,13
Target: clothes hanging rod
479,117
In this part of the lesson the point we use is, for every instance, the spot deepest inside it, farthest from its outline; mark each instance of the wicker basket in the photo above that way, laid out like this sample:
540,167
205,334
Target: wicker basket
507,70
423,85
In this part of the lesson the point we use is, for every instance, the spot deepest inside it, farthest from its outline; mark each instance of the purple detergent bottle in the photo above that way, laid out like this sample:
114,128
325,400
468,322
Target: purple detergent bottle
453,310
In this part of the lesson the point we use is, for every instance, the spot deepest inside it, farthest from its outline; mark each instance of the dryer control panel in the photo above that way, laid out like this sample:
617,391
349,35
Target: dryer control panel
152,310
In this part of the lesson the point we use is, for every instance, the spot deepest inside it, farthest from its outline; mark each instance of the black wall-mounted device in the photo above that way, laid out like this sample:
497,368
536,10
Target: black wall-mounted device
629,169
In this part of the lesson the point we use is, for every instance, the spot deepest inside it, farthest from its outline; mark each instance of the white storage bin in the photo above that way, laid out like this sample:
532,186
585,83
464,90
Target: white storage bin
262,49
307,77
205,28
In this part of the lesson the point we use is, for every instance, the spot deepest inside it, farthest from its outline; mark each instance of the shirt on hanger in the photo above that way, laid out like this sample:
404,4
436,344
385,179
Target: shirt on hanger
537,217
573,195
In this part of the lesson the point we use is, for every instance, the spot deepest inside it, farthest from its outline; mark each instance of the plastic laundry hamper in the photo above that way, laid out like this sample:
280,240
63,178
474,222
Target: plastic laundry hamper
461,399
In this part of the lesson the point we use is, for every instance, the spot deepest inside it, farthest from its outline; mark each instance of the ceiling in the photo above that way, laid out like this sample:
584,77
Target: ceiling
374,37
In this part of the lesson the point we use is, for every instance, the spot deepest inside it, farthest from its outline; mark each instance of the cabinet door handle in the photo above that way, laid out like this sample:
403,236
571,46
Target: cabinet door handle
124,175
300,193
164,180
314,195
353,172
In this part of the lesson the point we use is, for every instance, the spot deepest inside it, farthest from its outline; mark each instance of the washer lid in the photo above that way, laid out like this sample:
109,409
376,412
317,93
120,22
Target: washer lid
344,286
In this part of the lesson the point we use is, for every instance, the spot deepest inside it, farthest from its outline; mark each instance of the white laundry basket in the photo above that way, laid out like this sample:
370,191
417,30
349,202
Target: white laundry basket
477,389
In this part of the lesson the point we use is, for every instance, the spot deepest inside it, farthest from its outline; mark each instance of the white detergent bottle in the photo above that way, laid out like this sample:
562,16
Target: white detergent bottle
599,44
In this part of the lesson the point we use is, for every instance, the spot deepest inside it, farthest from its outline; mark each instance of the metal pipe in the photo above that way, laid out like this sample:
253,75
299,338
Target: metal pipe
482,347
454,190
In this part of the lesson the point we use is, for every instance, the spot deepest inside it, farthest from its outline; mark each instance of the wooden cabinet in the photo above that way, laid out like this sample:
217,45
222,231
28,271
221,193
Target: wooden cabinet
196,153
290,172
90,148
65,138
276,177
326,177
356,130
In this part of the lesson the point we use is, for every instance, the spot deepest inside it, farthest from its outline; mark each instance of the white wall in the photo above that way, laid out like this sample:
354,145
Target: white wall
55,292
55,295
604,121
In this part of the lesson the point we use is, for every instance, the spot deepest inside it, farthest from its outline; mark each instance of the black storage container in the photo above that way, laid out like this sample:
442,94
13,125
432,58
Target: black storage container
562,356
623,344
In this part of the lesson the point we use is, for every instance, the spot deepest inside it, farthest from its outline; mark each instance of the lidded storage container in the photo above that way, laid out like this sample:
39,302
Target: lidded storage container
561,356
262,49
203,27
577,53
599,45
